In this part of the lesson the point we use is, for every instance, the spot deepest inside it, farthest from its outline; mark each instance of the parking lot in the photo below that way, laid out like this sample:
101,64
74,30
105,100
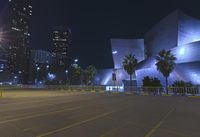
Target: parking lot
98,115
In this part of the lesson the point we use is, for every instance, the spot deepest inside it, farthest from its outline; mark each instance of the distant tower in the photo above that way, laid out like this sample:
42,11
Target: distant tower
61,44
20,13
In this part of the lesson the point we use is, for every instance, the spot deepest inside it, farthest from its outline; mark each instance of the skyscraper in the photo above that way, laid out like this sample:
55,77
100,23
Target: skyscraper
61,43
19,13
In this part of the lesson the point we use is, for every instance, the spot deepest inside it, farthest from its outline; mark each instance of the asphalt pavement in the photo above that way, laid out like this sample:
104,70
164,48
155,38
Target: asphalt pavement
100,115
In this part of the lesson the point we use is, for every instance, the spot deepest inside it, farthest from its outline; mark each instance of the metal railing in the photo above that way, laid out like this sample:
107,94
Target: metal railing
182,91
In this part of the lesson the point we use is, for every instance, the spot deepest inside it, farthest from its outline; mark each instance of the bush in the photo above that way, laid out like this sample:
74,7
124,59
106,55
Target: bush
152,85
151,82
181,87
182,84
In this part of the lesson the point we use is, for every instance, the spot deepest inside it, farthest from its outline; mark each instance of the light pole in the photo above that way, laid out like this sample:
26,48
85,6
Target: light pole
37,75
15,79
114,76
66,72
76,60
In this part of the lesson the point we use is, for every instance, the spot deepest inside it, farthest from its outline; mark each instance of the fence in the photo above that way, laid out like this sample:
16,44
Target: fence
127,89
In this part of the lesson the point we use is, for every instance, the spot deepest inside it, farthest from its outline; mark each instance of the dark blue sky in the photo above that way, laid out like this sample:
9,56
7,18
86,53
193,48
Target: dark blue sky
94,22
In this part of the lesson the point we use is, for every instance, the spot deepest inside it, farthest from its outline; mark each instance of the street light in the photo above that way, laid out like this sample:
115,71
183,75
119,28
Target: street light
15,79
47,66
38,68
66,72
114,76
76,60
37,75
114,52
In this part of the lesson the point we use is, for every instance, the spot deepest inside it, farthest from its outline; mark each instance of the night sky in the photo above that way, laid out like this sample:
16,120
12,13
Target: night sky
94,22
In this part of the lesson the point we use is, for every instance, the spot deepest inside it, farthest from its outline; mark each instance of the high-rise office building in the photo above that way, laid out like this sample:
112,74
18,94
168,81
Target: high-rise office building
20,13
61,43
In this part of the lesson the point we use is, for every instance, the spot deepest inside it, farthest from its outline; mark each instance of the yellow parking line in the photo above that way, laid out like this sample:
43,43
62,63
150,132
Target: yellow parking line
194,97
37,115
27,129
150,133
115,129
75,124
180,134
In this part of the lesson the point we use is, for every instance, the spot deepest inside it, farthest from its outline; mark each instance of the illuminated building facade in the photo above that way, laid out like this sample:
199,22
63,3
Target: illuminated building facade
177,32
121,48
20,13
61,44
180,34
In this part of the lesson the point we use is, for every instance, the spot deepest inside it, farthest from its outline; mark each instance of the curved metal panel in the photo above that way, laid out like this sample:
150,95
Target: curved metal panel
123,47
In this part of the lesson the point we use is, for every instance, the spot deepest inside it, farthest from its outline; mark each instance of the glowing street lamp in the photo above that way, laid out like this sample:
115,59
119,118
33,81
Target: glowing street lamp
114,52
76,60
38,68
47,66
37,75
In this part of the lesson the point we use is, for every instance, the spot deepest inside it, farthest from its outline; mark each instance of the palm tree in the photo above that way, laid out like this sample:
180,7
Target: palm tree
165,64
129,65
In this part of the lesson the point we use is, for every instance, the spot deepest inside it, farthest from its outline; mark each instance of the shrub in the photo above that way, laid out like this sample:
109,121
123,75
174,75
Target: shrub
182,84
152,85
151,82
181,87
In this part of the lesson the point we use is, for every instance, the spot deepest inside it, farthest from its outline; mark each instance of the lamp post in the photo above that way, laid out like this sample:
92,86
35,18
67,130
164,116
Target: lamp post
114,76
37,75
76,60
66,72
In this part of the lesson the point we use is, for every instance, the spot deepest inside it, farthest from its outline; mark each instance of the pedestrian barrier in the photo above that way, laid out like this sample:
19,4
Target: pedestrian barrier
179,91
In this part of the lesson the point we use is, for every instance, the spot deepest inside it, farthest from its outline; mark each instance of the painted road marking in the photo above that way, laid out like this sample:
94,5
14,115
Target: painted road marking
37,115
27,129
180,134
157,126
75,124
114,130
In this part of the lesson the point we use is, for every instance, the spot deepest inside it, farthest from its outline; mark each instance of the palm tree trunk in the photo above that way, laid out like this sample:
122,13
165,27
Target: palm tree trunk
166,78
130,82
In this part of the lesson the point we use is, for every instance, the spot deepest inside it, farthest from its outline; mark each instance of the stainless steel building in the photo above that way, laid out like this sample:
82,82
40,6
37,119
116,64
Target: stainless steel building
177,32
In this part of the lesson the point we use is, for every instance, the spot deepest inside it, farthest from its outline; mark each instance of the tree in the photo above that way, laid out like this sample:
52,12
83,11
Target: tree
90,74
75,75
165,64
129,65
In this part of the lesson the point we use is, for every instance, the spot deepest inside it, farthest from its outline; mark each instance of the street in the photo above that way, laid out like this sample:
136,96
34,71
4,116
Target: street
100,115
